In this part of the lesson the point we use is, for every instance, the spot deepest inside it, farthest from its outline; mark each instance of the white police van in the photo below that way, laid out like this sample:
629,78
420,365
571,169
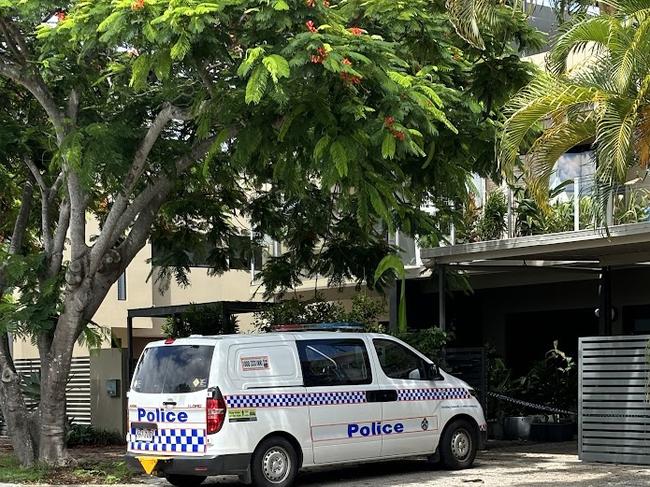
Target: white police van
265,406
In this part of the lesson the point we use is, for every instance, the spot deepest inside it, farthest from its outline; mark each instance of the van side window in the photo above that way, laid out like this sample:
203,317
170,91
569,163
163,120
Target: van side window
398,362
334,362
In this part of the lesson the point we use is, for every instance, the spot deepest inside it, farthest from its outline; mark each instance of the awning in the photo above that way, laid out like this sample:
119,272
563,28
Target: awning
619,245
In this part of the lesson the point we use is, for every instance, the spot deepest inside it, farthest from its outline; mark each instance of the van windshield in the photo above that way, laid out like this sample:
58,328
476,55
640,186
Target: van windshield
173,369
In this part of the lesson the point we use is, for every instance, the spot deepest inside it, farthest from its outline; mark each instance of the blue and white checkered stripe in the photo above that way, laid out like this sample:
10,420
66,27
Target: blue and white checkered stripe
294,400
174,440
438,394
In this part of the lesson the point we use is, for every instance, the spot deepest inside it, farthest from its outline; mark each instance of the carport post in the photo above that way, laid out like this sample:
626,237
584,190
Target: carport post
605,309
129,345
442,315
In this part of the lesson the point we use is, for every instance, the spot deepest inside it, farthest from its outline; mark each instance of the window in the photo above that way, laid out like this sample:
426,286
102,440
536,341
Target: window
121,287
334,362
398,362
173,369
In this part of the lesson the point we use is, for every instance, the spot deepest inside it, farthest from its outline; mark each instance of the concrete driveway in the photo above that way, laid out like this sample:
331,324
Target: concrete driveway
542,465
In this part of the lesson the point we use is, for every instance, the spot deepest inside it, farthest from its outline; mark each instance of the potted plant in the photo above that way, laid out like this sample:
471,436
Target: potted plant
553,382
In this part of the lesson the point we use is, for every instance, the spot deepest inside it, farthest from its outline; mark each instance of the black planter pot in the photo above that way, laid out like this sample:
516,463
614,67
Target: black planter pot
552,431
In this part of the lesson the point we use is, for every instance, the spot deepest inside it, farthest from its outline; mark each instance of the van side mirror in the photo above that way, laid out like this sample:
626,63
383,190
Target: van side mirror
434,372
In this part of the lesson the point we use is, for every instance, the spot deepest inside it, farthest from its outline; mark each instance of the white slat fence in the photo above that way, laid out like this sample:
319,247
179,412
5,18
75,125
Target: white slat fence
614,412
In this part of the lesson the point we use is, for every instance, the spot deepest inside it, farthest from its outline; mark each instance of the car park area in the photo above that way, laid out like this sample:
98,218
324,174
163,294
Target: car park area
509,464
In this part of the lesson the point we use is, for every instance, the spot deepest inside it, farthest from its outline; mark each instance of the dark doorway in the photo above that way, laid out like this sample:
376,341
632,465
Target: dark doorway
530,335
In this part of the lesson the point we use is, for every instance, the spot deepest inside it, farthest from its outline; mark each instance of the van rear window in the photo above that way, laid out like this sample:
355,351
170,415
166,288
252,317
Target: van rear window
173,369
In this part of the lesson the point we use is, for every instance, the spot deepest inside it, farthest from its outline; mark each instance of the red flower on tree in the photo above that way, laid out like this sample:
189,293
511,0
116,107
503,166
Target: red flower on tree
326,3
356,31
347,62
389,121
311,3
310,26
137,5
398,135
320,57
350,79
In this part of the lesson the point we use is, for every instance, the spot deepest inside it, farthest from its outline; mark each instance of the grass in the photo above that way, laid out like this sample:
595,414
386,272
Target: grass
85,472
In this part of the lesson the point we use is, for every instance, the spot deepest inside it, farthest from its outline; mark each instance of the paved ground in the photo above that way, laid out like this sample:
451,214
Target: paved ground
543,465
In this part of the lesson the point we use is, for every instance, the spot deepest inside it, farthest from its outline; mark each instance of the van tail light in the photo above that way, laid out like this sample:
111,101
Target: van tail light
215,410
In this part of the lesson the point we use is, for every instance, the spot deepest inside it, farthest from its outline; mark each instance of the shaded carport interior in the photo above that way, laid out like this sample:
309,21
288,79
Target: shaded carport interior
597,252
229,308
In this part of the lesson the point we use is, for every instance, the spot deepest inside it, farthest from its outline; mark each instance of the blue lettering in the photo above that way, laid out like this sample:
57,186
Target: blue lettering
373,429
160,415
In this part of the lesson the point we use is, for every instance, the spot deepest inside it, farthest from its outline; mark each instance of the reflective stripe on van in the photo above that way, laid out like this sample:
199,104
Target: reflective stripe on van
286,400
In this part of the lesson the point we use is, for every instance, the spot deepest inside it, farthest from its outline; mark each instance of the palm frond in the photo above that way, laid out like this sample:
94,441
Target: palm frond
545,97
585,36
614,141
551,145
468,15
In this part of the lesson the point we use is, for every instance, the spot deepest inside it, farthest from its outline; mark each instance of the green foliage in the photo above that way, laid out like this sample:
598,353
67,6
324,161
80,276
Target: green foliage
552,381
603,101
86,435
492,223
199,320
429,341
98,471
393,263
365,310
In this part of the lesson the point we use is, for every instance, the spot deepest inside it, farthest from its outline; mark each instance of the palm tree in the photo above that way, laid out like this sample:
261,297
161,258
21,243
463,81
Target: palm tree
603,100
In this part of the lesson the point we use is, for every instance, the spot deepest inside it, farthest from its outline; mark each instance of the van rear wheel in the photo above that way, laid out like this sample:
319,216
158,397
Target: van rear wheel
458,445
274,463
185,480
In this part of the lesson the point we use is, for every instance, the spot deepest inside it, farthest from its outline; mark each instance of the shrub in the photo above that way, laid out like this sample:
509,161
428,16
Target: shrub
86,435
493,222
199,320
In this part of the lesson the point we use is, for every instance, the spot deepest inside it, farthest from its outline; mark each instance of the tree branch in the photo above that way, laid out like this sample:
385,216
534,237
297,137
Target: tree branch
56,256
77,217
20,227
18,38
36,173
11,44
108,235
36,86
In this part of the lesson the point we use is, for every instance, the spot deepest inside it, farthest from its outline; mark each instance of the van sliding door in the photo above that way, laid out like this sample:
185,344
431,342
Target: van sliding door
342,396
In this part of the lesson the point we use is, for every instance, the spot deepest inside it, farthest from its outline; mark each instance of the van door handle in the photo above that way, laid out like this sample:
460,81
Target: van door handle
381,396
169,403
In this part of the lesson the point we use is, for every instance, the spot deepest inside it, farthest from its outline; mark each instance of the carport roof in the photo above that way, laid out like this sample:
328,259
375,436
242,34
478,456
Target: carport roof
622,245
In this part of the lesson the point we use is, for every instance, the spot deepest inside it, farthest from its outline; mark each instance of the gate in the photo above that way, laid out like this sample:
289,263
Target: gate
613,408
470,365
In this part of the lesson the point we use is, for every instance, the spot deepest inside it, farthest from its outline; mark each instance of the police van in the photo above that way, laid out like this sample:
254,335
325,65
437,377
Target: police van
263,407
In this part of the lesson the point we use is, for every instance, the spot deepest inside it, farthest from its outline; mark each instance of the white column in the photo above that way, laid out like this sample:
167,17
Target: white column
576,203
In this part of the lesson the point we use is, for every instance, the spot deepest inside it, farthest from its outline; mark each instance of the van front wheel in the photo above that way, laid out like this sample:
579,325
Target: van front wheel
274,463
185,480
458,445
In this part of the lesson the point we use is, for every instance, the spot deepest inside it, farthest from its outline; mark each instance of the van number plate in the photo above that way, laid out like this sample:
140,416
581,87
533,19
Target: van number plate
144,432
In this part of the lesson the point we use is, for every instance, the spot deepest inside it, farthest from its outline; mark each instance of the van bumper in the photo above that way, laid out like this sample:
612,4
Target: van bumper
237,464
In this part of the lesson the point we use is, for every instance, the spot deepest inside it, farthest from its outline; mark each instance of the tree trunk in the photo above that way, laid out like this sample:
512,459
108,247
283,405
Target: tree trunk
21,423
55,370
